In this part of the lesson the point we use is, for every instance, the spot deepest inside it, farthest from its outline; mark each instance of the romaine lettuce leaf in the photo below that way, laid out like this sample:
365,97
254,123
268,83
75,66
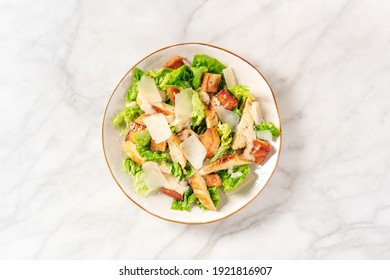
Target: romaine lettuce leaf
213,65
178,78
149,155
241,93
131,167
214,197
123,120
189,198
268,126
224,132
198,112
142,138
139,184
197,74
230,183
175,169
132,92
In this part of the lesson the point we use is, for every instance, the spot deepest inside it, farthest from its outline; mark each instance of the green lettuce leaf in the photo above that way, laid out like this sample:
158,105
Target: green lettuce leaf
268,126
213,65
142,138
139,184
132,92
226,137
197,74
131,167
198,112
149,155
241,93
179,78
230,183
189,199
175,169
123,120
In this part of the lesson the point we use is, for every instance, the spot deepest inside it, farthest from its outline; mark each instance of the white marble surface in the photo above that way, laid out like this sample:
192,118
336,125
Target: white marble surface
328,63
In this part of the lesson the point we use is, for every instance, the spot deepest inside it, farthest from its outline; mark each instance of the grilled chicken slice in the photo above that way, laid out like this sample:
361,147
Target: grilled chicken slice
211,114
244,129
223,163
210,82
164,108
211,141
172,193
134,127
199,186
130,149
226,99
175,151
213,180
158,146
172,91
174,62
141,118
258,151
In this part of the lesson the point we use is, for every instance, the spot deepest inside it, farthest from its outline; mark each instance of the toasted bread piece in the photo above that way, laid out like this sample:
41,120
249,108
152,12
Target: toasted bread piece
244,129
158,146
134,127
172,193
211,114
172,91
213,180
211,141
226,99
164,108
210,82
175,151
174,62
130,149
259,150
223,163
199,186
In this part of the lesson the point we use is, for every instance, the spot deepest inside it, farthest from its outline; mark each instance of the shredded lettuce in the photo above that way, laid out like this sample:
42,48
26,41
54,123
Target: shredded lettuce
230,183
123,120
197,74
268,126
241,93
198,112
132,92
226,137
189,199
213,65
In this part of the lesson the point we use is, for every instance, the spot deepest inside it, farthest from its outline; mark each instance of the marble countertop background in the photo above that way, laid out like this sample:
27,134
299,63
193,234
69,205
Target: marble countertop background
328,63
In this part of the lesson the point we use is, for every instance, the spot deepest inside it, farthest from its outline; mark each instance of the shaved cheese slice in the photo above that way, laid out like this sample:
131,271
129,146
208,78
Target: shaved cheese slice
145,105
264,135
183,104
194,151
236,174
227,116
148,90
152,175
229,77
158,127
175,185
256,112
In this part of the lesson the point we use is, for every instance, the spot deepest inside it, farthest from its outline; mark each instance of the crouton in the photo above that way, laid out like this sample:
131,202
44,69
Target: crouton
158,146
226,99
134,127
130,149
223,163
174,62
210,82
213,180
199,186
259,150
172,91
172,193
244,129
211,141
175,151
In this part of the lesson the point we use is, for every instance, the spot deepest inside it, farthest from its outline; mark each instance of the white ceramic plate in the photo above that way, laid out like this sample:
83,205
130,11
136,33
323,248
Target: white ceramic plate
159,205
